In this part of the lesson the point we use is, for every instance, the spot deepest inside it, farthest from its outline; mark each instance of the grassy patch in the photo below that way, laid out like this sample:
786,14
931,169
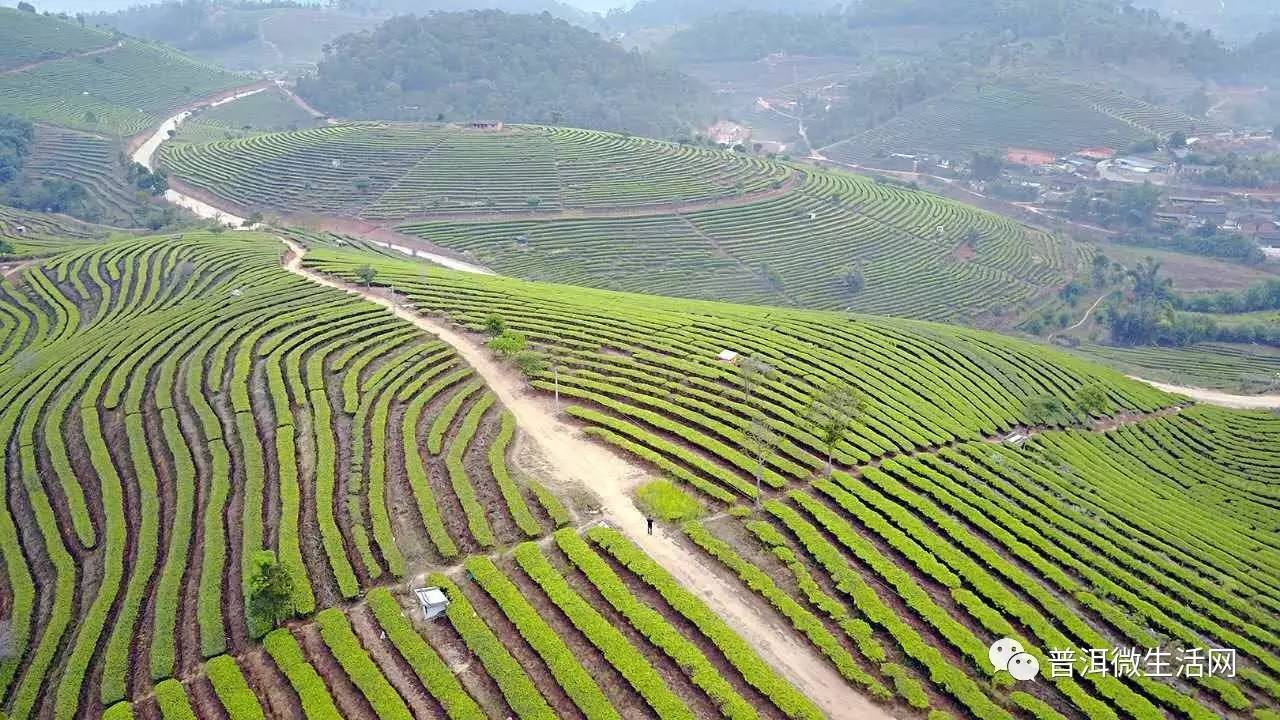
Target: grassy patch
664,500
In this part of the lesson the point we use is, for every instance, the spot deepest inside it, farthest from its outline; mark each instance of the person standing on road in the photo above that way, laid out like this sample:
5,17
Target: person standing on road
648,521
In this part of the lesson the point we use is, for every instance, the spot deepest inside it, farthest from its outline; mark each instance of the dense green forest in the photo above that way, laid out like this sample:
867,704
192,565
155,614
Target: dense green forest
490,65
16,135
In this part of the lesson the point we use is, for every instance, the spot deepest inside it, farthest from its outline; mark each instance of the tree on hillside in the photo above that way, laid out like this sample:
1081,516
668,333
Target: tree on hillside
26,7
833,410
1078,205
852,280
1098,273
985,166
1044,409
494,325
509,344
5,247
1178,140
16,137
270,590
752,371
761,443
1091,399
531,362
366,274
1147,283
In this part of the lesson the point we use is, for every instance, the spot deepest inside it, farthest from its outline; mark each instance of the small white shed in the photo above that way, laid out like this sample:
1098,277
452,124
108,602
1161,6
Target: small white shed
433,600
727,356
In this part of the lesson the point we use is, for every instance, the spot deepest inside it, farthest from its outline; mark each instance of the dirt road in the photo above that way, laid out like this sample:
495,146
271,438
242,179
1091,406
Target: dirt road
72,56
574,458
1214,397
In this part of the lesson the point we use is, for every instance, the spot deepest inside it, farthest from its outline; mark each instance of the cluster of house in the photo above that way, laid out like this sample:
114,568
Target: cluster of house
1255,215
1255,218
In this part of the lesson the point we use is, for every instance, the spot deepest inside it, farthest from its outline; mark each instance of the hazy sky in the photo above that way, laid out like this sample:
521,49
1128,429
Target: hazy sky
74,6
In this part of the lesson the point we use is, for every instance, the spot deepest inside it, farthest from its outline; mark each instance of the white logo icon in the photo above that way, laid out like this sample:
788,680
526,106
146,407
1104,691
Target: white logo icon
1008,654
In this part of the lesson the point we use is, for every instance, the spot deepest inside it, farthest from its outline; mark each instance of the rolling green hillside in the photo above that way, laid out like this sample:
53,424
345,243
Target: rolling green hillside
120,92
27,38
169,406
901,574
622,213
1039,114
394,171
269,110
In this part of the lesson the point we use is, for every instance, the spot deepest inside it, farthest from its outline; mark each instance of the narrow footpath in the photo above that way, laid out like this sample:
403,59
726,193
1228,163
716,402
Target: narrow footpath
574,458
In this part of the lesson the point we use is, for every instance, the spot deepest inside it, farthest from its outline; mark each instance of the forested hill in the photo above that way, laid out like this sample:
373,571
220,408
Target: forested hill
489,65
1049,30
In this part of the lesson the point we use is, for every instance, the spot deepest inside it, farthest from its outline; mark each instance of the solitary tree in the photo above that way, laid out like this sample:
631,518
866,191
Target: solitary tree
1091,399
270,590
761,443
5,247
366,275
1147,283
833,410
852,280
494,324
509,344
751,372
531,362
1044,409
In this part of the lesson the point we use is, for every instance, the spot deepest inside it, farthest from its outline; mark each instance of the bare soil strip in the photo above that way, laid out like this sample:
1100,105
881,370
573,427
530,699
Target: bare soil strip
1213,397
576,458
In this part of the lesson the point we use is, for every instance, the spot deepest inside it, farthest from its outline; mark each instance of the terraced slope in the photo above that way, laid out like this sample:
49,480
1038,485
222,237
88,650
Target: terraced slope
619,213
381,171
27,38
555,630
168,406
38,234
1225,366
1040,114
903,571
120,92
266,111
917,255
94,163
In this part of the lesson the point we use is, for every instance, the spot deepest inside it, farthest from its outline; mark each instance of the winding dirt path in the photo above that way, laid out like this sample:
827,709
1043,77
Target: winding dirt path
574,458
1214,397
87,53
1087,313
